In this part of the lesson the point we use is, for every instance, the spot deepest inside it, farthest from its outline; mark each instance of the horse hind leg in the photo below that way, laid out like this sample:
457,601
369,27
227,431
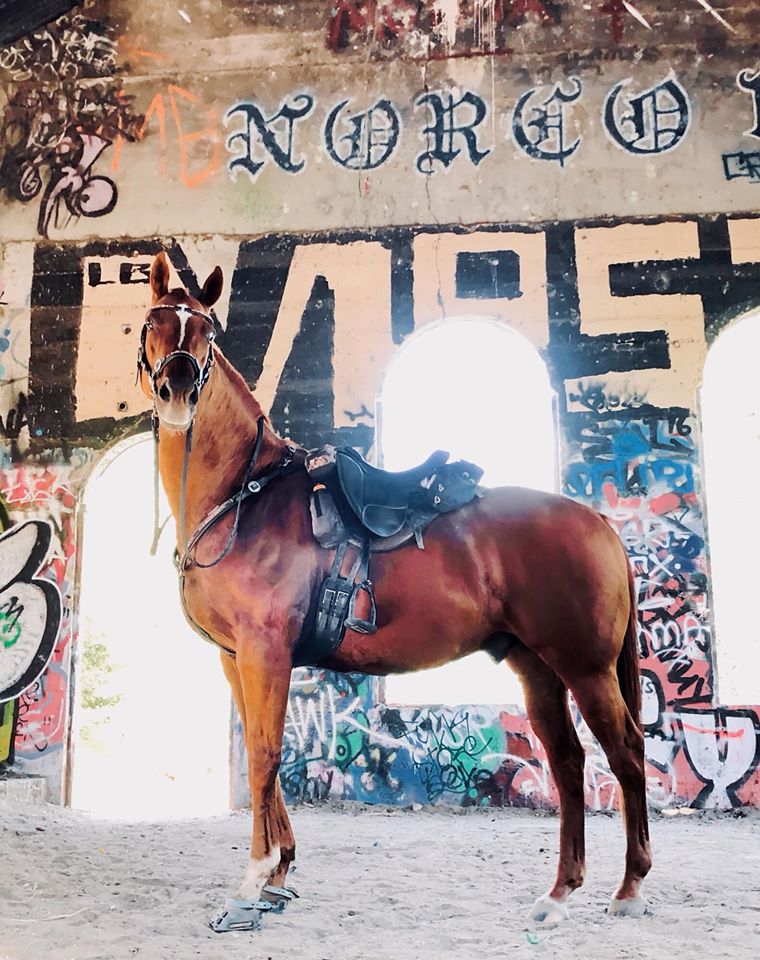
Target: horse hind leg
601,703
546,702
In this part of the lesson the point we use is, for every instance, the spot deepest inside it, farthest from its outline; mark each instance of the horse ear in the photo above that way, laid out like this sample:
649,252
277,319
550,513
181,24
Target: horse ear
212,288
159,277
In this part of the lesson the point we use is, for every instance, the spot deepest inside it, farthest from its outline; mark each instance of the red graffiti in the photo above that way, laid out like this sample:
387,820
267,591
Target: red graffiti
520,9
368,20
617,12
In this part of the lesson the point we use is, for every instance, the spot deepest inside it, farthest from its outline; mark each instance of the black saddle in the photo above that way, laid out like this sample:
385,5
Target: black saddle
354,505
381,499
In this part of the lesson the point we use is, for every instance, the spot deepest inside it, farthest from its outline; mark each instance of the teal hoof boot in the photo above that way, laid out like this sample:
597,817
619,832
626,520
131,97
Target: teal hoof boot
240,915
278,897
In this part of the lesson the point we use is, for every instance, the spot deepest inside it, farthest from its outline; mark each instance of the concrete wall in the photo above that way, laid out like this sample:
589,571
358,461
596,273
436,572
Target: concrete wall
358,170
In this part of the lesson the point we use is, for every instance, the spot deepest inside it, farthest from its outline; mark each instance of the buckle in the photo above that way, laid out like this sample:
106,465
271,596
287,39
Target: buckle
254,486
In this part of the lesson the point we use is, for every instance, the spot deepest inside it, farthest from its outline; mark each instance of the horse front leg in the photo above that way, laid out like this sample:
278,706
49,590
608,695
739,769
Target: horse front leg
261,681
287,838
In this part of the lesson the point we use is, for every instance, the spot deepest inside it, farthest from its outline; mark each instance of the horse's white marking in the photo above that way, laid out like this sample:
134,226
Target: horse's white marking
549,911
183,314
257,874
635,906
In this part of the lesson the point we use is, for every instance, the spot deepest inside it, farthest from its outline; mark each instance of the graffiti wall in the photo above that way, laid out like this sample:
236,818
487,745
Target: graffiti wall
36,623
360,169
497,110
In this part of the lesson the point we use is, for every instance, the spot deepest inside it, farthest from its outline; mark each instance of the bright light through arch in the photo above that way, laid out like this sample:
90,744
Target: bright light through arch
481,391
730,406
151,728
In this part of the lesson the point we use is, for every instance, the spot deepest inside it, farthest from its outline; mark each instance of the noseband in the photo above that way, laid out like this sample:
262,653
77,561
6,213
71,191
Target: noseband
201,374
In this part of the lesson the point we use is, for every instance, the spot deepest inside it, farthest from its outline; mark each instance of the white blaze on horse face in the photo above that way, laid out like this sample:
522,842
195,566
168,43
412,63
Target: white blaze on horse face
257,873
183,315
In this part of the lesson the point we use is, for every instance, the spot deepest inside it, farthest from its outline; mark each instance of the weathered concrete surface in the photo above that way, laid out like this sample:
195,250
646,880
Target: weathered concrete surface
191,87
19,792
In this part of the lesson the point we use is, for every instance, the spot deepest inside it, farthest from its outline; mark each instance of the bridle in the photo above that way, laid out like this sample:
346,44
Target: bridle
183,313
187,559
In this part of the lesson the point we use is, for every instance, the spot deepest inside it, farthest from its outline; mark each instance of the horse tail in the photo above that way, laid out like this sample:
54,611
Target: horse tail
628,659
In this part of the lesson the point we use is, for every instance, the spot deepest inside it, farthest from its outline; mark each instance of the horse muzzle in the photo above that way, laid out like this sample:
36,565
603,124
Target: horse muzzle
176,391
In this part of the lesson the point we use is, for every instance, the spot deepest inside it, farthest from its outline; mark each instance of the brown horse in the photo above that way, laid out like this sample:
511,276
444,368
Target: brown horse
545,571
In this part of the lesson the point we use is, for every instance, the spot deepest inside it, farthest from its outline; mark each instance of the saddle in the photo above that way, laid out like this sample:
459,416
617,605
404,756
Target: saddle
360,508
380,499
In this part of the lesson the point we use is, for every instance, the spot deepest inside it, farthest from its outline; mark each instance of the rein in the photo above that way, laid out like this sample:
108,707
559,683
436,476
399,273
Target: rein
250,485
248,488
182,312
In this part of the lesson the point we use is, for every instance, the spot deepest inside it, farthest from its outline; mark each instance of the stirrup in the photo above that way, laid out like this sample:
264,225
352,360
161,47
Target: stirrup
356,623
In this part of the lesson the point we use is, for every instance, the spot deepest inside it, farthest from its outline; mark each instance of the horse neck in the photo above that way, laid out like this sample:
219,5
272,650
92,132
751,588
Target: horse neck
224,435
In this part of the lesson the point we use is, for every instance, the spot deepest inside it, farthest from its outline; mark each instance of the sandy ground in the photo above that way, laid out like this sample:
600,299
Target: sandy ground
375,884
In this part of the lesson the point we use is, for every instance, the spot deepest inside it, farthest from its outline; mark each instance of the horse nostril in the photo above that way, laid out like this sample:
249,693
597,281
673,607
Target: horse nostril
194,396
164,392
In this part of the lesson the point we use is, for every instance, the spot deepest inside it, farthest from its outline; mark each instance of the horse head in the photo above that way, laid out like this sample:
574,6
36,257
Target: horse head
176,346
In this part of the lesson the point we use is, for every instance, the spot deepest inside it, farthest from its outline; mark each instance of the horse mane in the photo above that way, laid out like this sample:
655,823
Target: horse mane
238,384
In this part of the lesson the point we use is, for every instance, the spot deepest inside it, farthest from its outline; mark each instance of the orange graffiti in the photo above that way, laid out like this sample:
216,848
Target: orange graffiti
203,144
129,49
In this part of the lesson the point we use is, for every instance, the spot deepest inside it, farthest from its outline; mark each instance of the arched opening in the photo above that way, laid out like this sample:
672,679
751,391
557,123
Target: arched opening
152,712
730,407
481,391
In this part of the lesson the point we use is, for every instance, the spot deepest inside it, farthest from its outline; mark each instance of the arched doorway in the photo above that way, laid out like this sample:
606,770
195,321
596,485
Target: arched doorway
152,713
481,391
730,407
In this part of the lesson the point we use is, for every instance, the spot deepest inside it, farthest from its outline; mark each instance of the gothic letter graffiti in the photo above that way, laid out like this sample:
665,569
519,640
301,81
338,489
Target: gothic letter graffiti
443,129
746,80
370,139
268,132
658,119
548,123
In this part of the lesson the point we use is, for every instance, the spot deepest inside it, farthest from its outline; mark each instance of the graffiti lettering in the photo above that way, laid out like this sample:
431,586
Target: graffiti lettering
750,82
658,119
742,165
371,138
30,608
547,124
196,134
723,747
368,20
443,130
281,124
60,127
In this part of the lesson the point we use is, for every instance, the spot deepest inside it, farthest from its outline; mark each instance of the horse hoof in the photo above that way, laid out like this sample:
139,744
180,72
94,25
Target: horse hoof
549,911
239,915
630,907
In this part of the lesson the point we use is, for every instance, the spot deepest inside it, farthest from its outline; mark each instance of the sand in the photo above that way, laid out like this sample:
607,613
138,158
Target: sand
375,884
